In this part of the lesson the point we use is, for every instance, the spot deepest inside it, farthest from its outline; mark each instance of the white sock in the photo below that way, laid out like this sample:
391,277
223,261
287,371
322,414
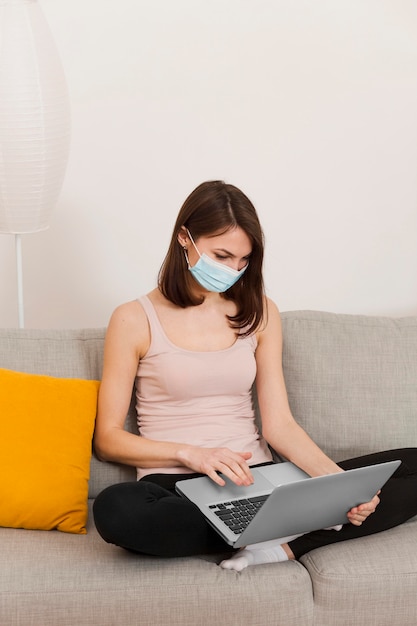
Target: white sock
258,553
263,552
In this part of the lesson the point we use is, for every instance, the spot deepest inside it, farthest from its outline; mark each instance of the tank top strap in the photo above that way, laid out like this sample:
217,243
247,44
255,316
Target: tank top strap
159,340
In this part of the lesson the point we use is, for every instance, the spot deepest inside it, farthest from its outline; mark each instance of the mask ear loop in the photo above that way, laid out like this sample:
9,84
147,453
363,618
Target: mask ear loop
186,256
185,248
192,241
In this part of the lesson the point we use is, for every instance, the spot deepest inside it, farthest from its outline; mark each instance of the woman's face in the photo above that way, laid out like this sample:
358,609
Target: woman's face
233,248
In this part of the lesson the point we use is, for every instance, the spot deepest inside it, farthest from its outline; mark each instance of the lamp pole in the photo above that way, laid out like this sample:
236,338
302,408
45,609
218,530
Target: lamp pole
21,310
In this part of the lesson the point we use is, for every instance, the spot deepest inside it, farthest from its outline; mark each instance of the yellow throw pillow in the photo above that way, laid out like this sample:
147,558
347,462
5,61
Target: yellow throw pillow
46,430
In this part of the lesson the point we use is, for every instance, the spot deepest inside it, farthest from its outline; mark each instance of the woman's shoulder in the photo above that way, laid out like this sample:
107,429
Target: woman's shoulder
271,313
128,317
127,313
271,319
270,306
128,325
133,311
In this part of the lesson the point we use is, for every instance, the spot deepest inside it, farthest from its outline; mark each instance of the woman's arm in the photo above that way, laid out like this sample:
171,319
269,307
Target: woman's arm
279,427
127,340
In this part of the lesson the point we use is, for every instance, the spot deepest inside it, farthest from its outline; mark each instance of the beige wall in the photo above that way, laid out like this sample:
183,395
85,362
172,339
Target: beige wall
310,106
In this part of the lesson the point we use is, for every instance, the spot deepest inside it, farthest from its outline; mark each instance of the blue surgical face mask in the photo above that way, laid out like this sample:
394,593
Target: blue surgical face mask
211,274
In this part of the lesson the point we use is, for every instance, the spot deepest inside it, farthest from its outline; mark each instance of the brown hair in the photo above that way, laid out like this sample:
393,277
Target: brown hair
213,208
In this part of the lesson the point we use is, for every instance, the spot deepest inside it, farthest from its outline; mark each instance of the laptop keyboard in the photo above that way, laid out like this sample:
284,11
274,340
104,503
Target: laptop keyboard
237,514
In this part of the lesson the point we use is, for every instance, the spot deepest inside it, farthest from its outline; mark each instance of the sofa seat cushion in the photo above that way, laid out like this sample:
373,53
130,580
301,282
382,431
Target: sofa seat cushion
57,578
370,580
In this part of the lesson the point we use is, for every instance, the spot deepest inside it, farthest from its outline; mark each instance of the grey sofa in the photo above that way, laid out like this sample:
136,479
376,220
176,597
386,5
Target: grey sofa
352,383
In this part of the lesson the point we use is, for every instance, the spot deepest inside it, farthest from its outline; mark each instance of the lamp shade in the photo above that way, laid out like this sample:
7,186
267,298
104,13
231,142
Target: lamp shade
34,119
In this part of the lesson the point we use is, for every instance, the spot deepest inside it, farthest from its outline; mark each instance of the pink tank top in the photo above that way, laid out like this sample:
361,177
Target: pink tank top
198,398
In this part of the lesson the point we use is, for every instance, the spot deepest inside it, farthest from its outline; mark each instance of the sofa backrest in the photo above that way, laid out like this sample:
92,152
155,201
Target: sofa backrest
351,380
67,354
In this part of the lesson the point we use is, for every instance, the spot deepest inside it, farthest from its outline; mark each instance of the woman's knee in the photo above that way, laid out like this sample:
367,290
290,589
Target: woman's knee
117,509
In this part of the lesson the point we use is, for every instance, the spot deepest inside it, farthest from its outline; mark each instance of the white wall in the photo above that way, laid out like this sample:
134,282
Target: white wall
310,106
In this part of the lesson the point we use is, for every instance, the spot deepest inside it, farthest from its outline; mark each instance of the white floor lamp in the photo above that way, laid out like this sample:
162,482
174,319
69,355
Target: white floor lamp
34,125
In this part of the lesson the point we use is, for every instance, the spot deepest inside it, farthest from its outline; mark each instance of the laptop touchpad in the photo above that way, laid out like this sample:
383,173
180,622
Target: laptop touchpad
282,473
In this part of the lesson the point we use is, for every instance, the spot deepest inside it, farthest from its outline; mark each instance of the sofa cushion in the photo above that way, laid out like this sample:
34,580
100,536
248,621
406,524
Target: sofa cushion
61,579
370,580
46,429
351,380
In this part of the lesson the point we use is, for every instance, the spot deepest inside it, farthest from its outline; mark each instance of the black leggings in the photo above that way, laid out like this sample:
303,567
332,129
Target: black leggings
149,518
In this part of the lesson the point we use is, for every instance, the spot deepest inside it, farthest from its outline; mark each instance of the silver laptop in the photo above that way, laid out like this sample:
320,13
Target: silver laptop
283,500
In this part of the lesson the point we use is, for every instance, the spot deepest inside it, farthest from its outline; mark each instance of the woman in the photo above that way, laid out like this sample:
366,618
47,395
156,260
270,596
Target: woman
194,346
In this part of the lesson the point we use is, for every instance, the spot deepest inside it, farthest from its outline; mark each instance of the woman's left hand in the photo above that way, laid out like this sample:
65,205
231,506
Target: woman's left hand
358,514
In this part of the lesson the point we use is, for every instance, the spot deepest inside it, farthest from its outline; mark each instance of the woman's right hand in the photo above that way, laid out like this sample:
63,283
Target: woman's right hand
212,460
